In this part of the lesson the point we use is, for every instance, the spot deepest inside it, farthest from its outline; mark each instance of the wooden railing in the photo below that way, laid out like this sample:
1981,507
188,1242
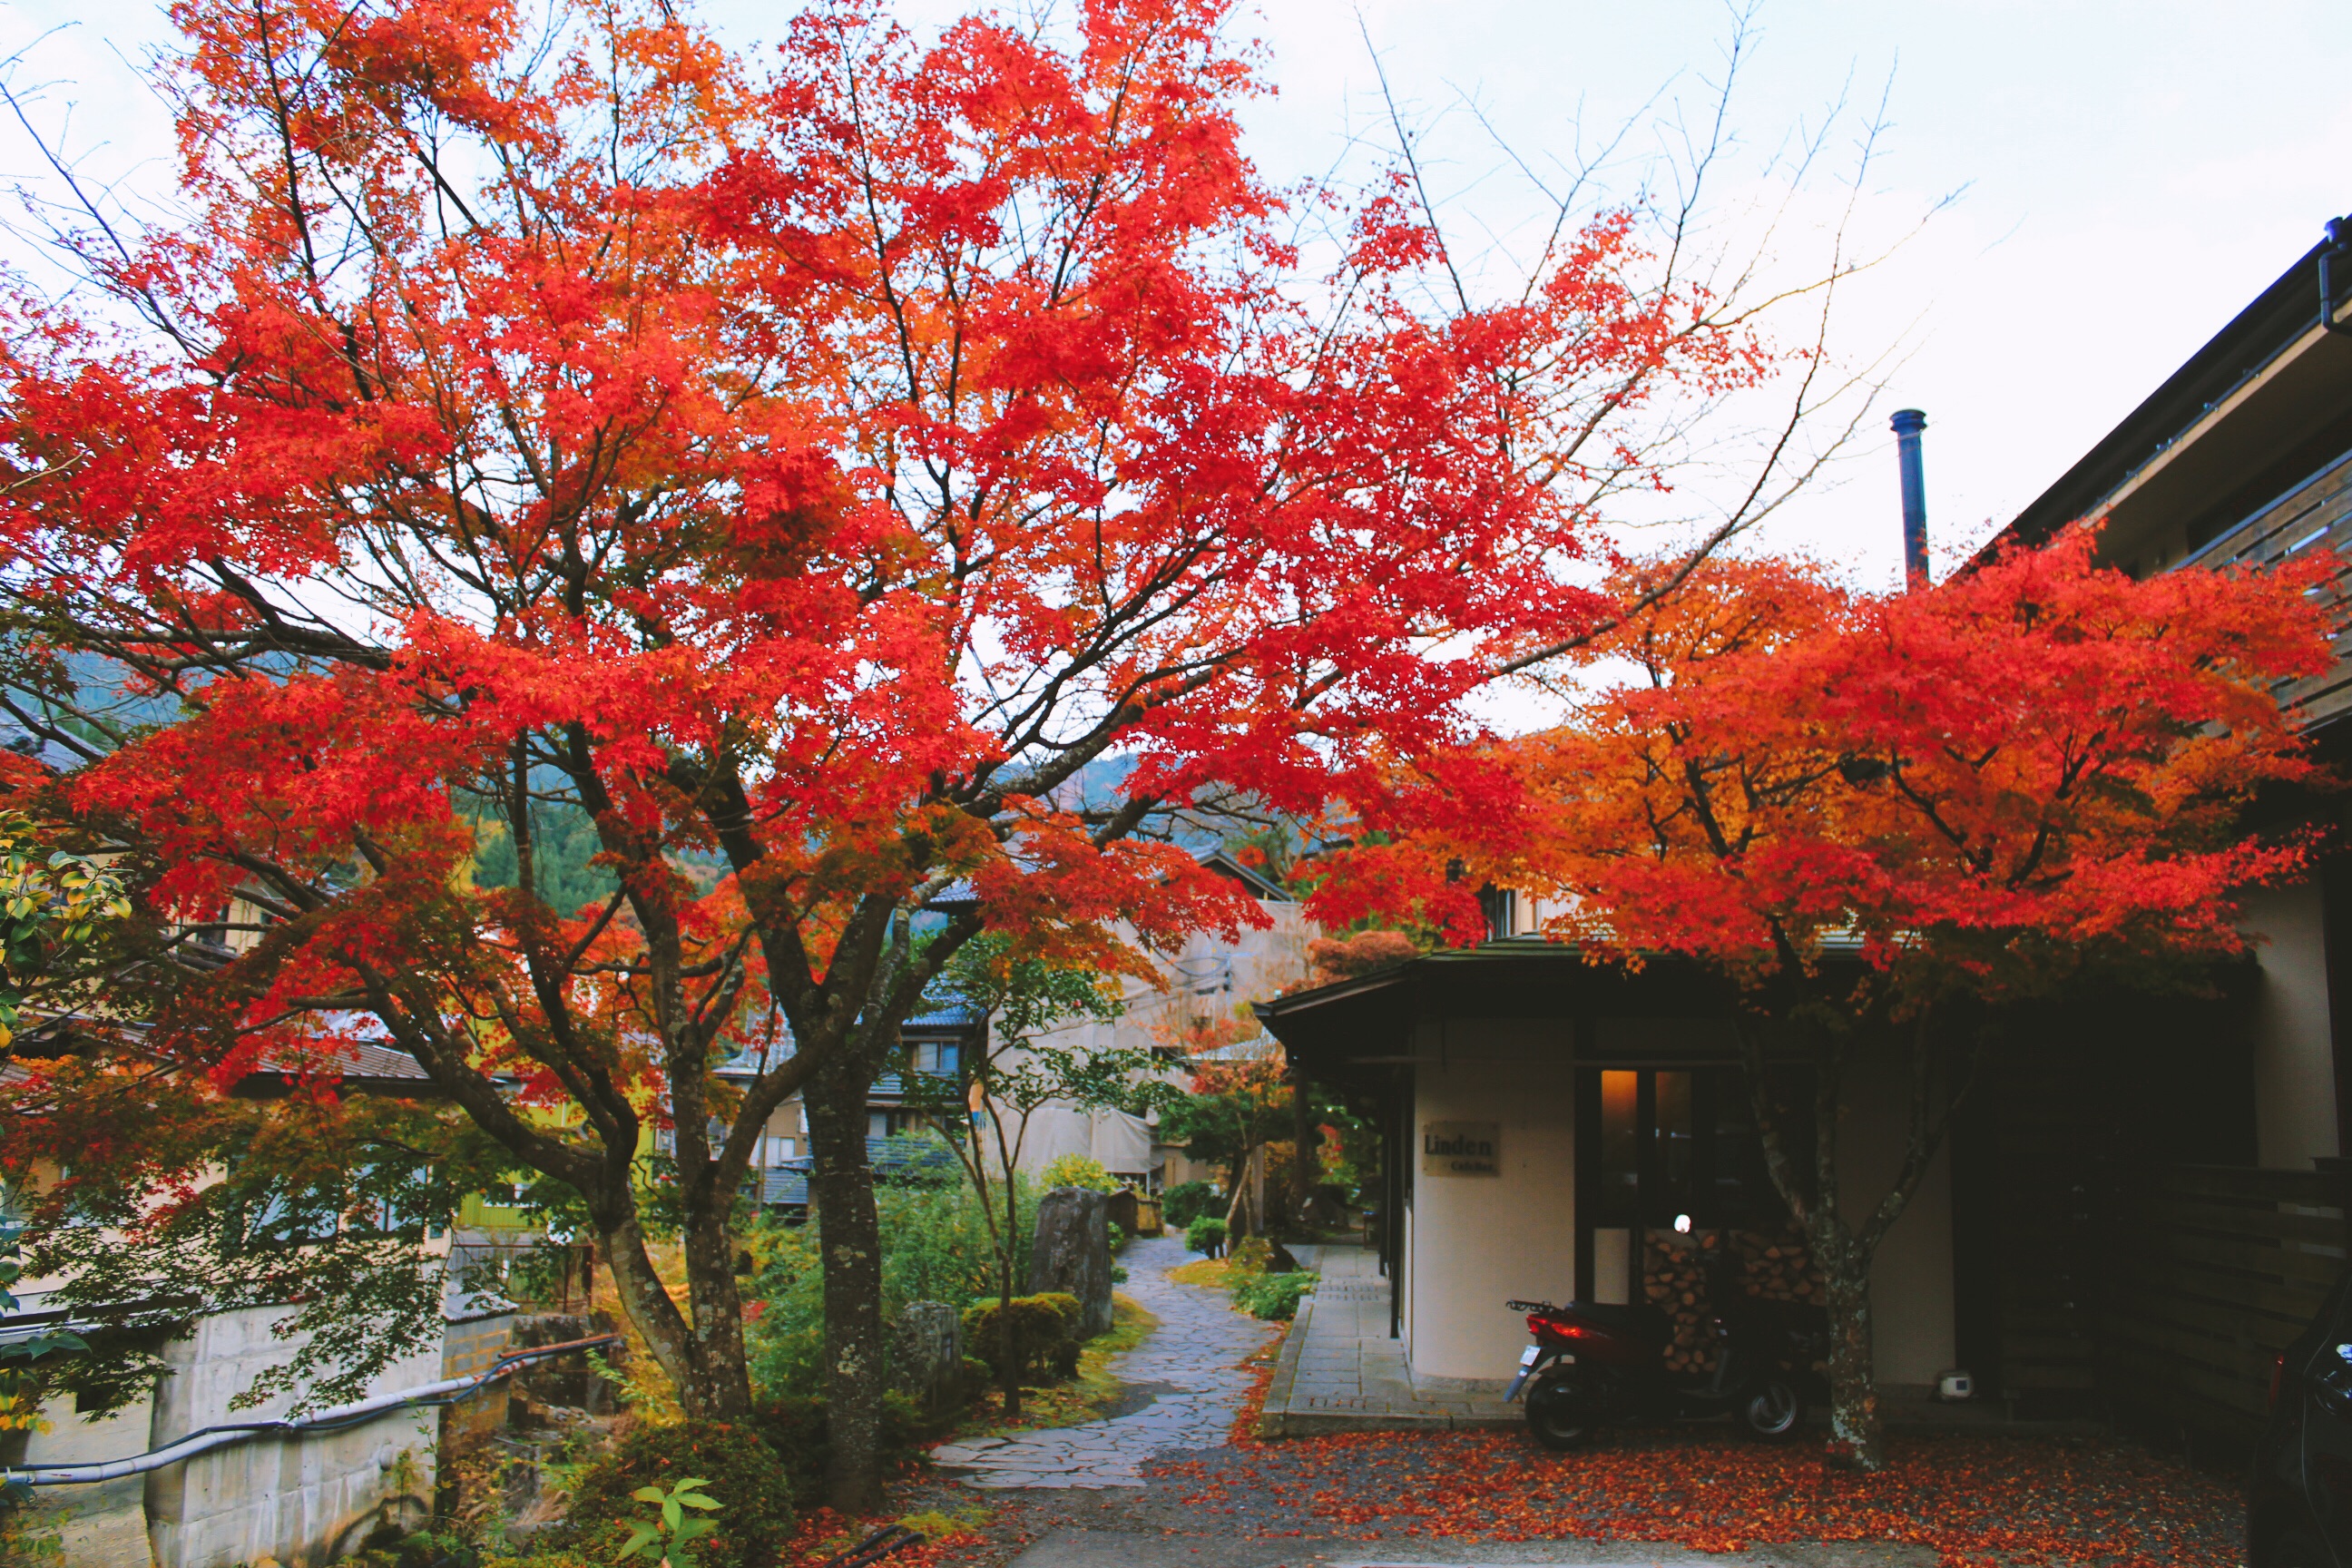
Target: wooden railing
2315,515
2210,1271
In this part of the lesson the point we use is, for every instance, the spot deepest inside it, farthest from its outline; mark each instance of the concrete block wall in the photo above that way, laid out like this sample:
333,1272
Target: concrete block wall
102,1526
471,1345
305,1500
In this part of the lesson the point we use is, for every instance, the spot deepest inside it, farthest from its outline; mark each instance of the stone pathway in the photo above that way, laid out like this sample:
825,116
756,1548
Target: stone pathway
1341,1372
1193,1358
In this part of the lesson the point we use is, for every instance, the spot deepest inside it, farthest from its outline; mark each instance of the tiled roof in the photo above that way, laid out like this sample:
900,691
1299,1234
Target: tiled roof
955,1016
357,1058
786,1185
784,1188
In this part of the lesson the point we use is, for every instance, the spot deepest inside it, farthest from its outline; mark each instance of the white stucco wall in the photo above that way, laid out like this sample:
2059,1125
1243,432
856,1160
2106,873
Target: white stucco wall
2294,1060
1478,1241
1473,1242
305,1500
1214,979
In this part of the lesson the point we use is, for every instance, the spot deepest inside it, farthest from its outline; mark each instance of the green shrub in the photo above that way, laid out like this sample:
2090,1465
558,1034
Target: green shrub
935,1248
544,1560
1185,1201
794,1427
1077,1170
1272,1296
1045,1334
747,1476
1205,1235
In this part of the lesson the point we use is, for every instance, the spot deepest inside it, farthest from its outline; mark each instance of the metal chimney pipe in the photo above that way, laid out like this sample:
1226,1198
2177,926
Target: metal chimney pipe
1907,423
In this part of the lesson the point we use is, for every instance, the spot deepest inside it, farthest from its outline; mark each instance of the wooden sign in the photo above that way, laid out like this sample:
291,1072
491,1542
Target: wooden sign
1462,1149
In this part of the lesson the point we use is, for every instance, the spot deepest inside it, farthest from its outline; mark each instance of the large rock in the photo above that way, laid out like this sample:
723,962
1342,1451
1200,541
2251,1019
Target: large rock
1073,1254
927,1356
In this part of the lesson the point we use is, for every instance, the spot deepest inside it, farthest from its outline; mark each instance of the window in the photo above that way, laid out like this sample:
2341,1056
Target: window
779,1150
878,1124
1655,1145
1501,908
939,1056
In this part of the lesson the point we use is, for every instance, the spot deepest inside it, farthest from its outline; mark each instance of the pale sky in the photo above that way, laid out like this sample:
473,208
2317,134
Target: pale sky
2130,174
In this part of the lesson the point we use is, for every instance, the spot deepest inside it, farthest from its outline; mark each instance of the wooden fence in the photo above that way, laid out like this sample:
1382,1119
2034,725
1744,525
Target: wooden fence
2210,1271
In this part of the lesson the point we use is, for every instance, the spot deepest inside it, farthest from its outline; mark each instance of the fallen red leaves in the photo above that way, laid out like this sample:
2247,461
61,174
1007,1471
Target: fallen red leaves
825,1534
1974,1501
1261,1370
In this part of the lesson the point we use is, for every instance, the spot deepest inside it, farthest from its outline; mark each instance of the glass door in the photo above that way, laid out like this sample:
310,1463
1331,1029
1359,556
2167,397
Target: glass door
1664,1152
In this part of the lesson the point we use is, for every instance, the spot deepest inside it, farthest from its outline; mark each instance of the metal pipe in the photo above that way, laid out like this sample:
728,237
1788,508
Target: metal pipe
1907,423
2339,243
448,1391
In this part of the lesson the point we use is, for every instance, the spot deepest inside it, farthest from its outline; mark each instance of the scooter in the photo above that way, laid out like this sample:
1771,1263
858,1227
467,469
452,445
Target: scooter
1592,1365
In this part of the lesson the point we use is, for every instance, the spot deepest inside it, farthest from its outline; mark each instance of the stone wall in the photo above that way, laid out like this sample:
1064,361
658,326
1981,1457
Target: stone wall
102,1526
305,1500
471,1345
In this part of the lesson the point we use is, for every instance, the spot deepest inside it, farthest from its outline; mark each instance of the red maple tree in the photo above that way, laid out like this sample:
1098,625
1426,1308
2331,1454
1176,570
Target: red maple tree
871,484
1887,821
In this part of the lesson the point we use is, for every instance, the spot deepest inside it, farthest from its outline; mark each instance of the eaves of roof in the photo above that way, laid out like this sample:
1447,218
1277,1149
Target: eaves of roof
2279,317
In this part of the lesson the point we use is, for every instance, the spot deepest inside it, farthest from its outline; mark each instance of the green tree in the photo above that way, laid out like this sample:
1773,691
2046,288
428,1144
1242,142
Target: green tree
1018,1068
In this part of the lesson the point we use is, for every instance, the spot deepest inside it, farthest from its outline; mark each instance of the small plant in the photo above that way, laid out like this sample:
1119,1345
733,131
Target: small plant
1206,1237
1185,1201
664,1537
1077,1170
1273,1296
1045,1335
732,1462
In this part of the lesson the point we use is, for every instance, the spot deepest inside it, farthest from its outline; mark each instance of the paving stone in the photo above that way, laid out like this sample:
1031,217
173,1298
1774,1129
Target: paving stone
1196,1354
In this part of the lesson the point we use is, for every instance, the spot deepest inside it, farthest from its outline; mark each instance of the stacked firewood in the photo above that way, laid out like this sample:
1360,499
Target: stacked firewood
1674,1276
1779,1267
1675,1273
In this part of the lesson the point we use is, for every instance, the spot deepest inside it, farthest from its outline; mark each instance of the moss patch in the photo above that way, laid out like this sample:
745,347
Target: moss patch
1085,1396
1215,1273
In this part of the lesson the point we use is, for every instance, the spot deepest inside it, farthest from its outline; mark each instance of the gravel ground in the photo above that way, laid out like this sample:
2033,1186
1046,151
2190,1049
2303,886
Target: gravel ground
1641,1498
1664,1496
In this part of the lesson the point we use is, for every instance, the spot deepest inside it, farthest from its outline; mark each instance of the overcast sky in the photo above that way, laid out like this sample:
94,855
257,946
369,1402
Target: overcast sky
2129,176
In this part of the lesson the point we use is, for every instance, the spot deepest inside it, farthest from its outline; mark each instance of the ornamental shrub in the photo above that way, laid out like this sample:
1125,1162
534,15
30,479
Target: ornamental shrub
1205,1235
1077,1170
1185,1201
1272,1296
747,1481
794,1427
935,1246
1045,1334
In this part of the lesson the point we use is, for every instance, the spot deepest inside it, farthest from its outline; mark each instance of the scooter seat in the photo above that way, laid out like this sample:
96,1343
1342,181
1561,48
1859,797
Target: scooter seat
1642,1320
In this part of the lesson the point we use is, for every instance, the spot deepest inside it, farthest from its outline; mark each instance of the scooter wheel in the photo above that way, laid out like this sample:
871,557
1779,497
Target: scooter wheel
1560,1413
1771,1412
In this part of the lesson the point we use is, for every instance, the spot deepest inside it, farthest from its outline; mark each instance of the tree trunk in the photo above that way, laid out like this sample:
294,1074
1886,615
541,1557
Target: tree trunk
708,1244
841,1190
1302,1159
668,1337
1857,1428
1008,1342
